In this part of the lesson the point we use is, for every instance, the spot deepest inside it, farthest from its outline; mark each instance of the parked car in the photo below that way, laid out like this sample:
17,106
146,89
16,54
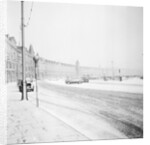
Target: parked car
74,80
29,85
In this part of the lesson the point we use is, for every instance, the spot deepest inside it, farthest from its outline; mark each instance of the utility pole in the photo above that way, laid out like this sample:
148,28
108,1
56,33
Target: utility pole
23,52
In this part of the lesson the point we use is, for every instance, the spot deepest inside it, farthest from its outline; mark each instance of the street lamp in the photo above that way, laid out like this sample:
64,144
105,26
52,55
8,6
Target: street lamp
113,75
36,59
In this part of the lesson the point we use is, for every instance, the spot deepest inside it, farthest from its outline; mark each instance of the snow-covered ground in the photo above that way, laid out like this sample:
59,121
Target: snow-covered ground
68,115
28,124
51,122
133,85
76,115
130,81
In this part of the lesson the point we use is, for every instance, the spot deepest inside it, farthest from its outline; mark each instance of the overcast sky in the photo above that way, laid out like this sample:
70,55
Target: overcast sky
93,34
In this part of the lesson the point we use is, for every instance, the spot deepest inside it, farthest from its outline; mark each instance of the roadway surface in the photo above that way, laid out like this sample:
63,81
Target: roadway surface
95,114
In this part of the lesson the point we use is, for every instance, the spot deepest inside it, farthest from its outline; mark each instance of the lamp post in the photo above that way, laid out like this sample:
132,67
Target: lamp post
36,59
113,75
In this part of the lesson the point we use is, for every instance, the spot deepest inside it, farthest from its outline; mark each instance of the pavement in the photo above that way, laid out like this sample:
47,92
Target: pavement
29,124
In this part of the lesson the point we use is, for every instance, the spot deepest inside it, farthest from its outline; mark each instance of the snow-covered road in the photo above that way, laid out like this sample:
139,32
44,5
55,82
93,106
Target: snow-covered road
118,114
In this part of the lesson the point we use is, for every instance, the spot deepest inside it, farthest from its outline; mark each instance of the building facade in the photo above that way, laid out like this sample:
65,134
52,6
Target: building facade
14,60
48,69
11,59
